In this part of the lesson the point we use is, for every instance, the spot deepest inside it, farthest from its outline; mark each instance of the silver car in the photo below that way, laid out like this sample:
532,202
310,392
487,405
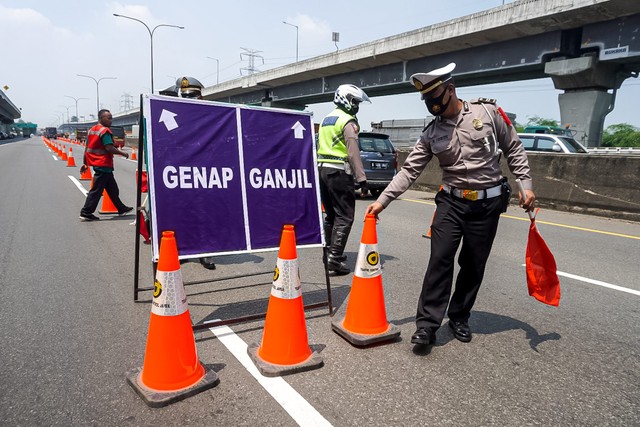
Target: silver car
547,143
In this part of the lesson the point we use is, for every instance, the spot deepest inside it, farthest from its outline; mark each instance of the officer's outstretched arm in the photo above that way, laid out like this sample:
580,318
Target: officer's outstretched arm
374,209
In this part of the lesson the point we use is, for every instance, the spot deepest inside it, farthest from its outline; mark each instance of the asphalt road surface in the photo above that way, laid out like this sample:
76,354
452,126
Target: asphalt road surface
71,329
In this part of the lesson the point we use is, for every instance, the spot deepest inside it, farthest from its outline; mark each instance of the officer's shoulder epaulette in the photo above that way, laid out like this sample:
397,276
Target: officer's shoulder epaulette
427,126
483,101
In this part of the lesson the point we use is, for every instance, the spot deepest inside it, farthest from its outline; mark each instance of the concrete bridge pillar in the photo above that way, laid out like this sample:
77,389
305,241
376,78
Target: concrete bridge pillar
586,100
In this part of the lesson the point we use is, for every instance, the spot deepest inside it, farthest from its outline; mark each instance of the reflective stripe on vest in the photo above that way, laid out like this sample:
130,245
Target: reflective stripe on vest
95,153
332,146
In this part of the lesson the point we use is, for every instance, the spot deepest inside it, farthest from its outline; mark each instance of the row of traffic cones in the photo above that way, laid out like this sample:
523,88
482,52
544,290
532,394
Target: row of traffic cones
172,371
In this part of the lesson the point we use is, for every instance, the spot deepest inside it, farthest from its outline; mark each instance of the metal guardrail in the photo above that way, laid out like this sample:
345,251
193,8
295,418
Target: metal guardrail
615,150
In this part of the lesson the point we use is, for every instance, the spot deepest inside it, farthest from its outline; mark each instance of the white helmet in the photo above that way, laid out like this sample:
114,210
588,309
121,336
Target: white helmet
349,96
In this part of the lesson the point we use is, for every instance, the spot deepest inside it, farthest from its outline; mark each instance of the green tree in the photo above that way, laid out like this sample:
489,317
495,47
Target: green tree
621,135
539,121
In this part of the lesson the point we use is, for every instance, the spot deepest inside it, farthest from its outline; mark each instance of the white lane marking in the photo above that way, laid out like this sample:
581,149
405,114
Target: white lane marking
596,282
299,409
79,185
54,157
599,283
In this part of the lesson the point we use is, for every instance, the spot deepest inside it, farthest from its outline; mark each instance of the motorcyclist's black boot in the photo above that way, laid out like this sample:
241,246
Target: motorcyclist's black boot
335,260
328,231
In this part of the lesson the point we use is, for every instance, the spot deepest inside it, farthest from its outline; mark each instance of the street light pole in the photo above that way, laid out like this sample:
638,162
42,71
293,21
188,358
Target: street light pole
151,31
64,106
75,99
296,38
97,87
217,69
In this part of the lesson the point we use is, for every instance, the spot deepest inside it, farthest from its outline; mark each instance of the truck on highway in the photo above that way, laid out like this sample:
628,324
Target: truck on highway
81,135
50,132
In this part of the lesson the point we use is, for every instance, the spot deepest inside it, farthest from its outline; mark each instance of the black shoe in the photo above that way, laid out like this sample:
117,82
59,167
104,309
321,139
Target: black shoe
423,337
125,211
337,267
89,217
207,262
460,330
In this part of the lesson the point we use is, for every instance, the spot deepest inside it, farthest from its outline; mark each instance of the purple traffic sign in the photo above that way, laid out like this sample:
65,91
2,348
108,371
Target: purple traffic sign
226,178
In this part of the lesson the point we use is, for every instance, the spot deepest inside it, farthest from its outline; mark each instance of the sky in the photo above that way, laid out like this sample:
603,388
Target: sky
46,44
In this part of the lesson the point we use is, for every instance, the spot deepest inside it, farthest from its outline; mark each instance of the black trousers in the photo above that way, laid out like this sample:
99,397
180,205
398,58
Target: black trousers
102,181
338,194
474,223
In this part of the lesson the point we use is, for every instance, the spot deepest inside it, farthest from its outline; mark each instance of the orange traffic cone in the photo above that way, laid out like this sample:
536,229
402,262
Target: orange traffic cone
171,369
63,157
107,205
71,162
428,235
86,176
284,348
133,154
365,320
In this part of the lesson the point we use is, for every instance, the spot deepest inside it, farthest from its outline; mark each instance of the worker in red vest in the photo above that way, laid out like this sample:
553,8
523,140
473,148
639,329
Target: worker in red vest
99,153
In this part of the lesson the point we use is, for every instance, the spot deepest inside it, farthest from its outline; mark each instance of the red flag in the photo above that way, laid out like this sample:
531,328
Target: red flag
542,279
144,232
145,183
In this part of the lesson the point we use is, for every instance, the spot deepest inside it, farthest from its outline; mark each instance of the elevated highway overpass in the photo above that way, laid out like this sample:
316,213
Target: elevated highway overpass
587,47
8,111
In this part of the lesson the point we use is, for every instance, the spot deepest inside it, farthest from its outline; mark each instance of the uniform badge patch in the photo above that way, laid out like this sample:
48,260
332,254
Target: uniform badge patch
477,124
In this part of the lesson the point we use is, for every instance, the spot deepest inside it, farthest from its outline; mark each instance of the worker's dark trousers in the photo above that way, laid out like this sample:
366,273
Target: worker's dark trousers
102,181
338,194
475,224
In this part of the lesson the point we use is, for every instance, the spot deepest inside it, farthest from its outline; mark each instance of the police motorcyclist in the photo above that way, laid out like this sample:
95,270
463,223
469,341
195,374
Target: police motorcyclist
338,164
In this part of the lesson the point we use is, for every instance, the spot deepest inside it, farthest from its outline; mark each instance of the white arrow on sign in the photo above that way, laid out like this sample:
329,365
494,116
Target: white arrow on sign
169,119
298,130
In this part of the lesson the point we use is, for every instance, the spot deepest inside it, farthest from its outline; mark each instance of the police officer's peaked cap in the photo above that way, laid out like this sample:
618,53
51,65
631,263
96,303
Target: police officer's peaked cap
189,87
427,82
170,91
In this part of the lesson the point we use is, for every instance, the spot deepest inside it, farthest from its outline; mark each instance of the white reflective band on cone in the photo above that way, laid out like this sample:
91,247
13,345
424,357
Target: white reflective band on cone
368,262
169,298
286,281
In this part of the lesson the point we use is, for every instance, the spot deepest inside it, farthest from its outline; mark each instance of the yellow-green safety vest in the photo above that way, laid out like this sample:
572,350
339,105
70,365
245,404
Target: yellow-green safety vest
332,146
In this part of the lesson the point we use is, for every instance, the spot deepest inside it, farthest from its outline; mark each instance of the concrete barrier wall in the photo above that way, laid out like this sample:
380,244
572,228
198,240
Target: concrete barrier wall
596,184
605,185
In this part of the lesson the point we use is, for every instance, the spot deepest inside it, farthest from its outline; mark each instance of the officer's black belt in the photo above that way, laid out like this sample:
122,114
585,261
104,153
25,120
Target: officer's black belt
324,157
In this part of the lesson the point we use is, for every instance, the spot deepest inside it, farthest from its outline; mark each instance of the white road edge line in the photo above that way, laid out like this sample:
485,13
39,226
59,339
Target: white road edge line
597,282
54,157
78,184
296,406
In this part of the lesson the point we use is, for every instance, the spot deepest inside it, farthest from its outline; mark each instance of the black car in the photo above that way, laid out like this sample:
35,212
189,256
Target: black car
379,159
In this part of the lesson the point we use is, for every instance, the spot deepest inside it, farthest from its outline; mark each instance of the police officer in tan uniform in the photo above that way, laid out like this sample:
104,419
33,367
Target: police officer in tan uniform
467,137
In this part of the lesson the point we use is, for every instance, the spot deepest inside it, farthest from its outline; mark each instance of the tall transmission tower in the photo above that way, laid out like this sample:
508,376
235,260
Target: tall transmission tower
251,55
126,102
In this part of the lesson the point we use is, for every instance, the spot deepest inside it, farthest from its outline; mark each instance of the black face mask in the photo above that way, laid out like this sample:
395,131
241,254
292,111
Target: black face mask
435,105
